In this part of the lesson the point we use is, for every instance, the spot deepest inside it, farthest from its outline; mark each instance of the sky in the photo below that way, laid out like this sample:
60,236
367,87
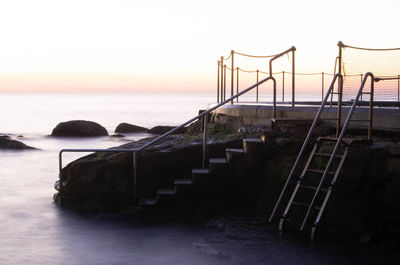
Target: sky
173,46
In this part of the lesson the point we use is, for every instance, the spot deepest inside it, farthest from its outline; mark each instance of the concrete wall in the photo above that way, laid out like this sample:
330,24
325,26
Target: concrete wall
260,116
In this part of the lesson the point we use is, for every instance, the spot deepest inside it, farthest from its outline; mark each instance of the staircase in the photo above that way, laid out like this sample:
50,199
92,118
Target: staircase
202,180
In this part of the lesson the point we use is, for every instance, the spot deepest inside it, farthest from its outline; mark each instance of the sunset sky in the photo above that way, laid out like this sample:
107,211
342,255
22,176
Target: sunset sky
173,46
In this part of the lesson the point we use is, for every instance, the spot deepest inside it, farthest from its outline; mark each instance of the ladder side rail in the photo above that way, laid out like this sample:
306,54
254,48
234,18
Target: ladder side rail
303,148
339,141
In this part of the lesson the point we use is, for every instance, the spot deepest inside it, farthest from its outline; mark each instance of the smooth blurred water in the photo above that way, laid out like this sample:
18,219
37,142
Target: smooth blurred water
33,230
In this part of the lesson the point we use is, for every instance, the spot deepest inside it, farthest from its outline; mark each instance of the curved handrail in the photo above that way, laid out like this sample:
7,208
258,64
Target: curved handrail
135,150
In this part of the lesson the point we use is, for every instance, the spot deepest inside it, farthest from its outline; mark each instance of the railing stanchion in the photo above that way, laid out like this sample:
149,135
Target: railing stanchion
322,86
224,81
371,111
398,89
218,82
293,77
232,73
237,83
205,122
339,107
274,103
222,78
257,89
361,79
283,86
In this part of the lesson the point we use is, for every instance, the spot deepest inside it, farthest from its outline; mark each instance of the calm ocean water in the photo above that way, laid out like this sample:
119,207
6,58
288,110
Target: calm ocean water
35,231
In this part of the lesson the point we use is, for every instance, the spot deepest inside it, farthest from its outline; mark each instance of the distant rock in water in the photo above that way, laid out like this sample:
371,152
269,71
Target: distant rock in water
164,129
129,128
79,128
7,143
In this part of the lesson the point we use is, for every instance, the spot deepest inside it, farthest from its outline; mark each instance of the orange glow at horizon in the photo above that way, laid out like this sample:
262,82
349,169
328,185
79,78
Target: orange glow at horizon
123,46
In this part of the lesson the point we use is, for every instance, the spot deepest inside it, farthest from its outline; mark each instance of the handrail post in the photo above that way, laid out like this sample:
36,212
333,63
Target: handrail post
371,111
218,81
322,86
205,122
283,86
222,77
361,77
134,173
274,103
225,82
398,89
257,88
232,73
339,107
59,177
237,83
293,78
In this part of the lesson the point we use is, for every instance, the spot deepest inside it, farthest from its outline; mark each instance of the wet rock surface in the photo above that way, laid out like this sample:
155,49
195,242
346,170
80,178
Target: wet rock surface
163,129
79,128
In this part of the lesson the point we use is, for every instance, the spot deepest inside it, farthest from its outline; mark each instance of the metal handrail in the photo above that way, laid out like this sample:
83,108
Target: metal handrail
203,114
306,141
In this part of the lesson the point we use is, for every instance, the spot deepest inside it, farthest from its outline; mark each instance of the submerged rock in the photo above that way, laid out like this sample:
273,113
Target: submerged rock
79,128
7,143
129,128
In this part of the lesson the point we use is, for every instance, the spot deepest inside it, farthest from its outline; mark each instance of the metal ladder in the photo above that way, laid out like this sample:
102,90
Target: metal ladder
328,178
325,185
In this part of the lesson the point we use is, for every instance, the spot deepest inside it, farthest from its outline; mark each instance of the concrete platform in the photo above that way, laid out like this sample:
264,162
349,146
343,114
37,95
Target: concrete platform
260,115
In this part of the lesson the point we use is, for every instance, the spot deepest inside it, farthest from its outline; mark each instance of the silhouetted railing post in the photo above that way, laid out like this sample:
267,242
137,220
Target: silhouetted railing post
283,86
361,79
205,122
218,82
322,86
232,73
398,89
237,83
257,88
222,78
293,78
224,81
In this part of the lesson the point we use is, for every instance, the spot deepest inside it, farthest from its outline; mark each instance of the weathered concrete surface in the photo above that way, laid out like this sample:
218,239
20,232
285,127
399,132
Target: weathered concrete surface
260,115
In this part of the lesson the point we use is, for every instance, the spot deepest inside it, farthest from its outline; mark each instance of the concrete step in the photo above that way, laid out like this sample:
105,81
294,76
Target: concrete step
250,144
219,161
148,202
201,171
233,152
166,192
187,181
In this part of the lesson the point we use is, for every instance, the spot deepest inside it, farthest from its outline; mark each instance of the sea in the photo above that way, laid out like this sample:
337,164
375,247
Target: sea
35,230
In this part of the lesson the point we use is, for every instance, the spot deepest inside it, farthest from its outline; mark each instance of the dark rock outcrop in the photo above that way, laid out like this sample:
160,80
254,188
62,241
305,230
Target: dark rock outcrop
164,129
129,128
7,143
79,128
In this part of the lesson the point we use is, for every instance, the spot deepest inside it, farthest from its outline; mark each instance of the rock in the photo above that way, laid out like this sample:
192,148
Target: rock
164,129
117,135
393,166
7,143
129,128
79,128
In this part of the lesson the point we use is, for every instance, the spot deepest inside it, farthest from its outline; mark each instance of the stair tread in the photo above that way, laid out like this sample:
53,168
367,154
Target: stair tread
187,181
166,191
218,161
235,150
252,140
201,171
148,201
346,141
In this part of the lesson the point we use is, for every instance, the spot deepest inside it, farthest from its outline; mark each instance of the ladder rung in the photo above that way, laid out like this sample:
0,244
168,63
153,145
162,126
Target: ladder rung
305,205
327,155
366,93
335,93
346,141
312,188
320,171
